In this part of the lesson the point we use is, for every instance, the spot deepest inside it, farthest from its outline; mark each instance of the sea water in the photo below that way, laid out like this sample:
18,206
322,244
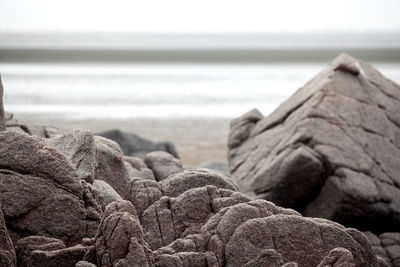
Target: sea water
166,91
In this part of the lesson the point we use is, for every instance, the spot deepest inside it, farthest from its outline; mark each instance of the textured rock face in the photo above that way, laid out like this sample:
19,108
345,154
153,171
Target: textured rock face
331,150
338,257
7,252
257,233
386,246
208,224
106,192
162,164
137,168
134,145
52,200
2,115
110,165
119,240
35,251
79,148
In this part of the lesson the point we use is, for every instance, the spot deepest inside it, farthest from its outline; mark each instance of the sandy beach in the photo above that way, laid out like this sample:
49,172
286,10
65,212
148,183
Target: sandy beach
196,140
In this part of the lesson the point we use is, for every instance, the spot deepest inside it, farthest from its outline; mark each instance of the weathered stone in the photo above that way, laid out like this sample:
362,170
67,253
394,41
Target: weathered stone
338,257
52,200
178,183
386,246
106,192
294,237
84,264
30,154
119,240
138,169
162,164
37,251
252,233
142,193
134,145
110,165
79,148
7,252
329,151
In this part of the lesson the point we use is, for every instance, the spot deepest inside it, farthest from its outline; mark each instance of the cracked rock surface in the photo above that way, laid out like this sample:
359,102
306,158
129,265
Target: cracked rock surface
52,200
7,252
331,150
46,251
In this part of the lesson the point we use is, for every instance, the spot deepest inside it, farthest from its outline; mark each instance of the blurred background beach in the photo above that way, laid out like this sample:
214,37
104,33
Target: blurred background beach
182,74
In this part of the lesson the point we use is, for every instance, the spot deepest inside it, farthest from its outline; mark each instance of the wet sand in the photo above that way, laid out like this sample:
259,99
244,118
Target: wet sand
197,140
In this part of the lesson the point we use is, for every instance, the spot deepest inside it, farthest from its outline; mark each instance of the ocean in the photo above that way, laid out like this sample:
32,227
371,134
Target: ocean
167,76
165,91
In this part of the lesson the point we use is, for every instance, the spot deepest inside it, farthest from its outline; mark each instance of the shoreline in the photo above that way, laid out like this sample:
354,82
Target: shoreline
196,140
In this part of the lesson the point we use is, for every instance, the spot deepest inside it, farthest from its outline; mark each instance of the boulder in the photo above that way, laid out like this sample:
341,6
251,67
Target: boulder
143,193
386,246
7,252
258,233
110,165
84,264
338,257
169,218
107,193
9,118
162,164
329,151
134,145
2,115
52,200
197,218
178,183
35,251
119,240
137,168
79,147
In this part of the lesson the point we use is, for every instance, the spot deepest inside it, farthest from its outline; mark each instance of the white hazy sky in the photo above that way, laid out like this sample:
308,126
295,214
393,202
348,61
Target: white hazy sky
200,15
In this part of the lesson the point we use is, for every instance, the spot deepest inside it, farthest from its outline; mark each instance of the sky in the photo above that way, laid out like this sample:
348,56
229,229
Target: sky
200,16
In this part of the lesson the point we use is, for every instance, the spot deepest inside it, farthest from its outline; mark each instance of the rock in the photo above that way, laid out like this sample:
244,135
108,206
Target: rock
2,115
110,165
10,121
338,257
329,151
168,218
134,145
106,192
7,252
197,218
37,250
84,264
162,164
119,240
52,200
386,246
178,183
142,193
79,148
258,233
137,168
219,166
292,236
